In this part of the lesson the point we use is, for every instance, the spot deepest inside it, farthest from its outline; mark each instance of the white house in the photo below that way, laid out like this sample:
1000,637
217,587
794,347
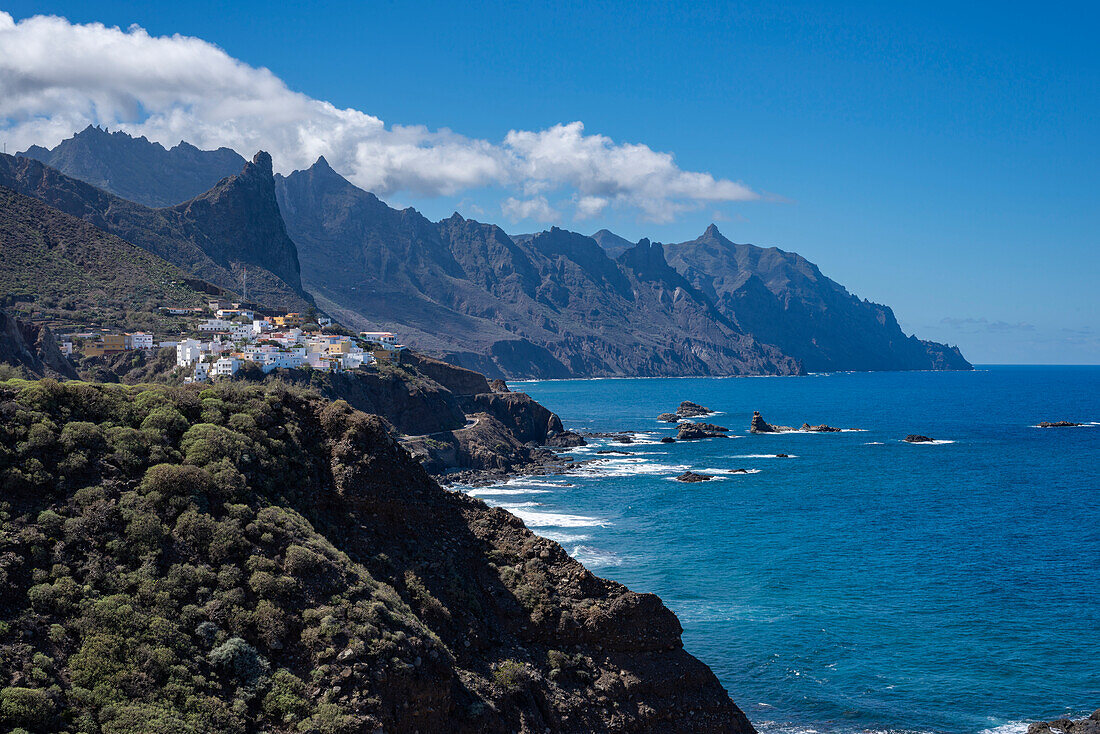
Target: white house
139,340
385,338
215,325
67,348
201,373
188,352
227,366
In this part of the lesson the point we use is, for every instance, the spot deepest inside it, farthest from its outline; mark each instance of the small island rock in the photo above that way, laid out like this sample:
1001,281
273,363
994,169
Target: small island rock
1058,424
690,476
689,409
694,431
917,438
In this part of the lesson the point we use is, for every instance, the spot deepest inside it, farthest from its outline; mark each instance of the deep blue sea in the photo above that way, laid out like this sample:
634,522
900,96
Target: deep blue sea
864,584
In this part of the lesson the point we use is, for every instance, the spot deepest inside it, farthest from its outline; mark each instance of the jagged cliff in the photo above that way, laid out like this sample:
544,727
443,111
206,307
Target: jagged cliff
255,558
32,349
552,305
137,169
232,236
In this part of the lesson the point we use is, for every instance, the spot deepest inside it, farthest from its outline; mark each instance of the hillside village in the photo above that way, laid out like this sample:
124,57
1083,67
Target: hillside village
232,336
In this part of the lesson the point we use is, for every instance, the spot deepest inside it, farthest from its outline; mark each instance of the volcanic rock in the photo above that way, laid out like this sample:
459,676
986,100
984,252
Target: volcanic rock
689,409
692,431
1058,424
1091,725
822,428
669,418
691,476
917,438
668,439
759,425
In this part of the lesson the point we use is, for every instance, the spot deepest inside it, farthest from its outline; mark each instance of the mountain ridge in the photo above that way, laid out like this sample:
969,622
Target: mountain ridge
221,235
560,304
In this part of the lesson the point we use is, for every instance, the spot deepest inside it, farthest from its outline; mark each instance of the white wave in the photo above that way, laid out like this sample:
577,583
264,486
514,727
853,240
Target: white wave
557,520
729,471
626,466
502,491
873,443
526,482
933,442
513,506
594,557
1013,727
565,537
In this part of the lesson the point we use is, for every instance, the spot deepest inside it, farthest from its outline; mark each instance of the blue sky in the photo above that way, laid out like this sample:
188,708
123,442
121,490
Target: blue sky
940,158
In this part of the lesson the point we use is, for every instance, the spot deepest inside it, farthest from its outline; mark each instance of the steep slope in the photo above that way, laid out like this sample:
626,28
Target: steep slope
67,271
254,559
232,236
783,299
552,305
137,169
32,349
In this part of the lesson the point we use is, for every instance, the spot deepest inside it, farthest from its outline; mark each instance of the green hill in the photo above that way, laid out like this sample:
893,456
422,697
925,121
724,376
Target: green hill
248,558
63,271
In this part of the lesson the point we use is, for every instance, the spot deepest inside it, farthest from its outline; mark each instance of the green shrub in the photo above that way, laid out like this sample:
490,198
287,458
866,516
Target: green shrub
29,707
239,662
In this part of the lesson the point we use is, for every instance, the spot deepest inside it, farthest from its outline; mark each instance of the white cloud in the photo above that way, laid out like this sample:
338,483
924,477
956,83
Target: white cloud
537,209
56,77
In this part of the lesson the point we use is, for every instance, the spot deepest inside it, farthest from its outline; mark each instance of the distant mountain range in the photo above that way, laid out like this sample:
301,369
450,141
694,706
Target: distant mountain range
552,304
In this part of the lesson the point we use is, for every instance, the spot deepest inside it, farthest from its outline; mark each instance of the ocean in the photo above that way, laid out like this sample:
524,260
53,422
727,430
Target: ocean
863,584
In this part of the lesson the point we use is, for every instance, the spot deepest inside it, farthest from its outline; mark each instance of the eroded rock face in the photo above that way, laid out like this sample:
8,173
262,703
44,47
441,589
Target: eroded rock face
32,348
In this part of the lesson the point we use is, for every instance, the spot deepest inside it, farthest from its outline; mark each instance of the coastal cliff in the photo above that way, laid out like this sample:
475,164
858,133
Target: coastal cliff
256,558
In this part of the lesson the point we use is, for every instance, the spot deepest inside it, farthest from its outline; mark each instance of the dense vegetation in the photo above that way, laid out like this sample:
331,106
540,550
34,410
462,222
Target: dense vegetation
247,557
146,586
68,272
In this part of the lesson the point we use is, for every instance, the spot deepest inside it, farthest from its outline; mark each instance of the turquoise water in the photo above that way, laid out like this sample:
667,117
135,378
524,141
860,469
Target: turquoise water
864,584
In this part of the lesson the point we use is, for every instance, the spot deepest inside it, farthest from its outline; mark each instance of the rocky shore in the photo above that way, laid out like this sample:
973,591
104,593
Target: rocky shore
1091,725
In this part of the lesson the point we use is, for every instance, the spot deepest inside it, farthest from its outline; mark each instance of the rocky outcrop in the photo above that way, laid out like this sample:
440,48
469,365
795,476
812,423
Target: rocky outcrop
690,476
1058,424
822,428
917,438
32,348
499,385
458,380
759,425
695,431
1091,725
669,417
689,409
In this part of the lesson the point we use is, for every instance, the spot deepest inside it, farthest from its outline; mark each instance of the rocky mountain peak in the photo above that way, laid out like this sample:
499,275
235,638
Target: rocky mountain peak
262,160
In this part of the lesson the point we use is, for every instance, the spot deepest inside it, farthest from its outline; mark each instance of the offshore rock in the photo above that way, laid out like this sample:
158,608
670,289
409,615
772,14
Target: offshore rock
669,417
690,476
917,438
689,409
759,425
819,428
695,431
1058,424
